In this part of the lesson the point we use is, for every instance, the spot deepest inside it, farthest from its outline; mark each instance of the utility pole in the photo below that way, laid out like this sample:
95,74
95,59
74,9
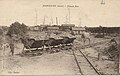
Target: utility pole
66,19
51,21
56,21
103,2
36,17
80,22
44,20
69,15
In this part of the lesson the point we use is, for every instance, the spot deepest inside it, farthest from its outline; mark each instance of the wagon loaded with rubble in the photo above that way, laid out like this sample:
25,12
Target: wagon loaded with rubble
34,47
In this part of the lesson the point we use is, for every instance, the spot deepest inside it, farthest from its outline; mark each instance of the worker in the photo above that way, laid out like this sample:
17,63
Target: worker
113,47
113,41
12,46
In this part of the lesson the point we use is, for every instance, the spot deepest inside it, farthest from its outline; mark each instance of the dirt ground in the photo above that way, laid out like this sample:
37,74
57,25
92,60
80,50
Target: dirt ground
60,63
47,64
0,60
104,66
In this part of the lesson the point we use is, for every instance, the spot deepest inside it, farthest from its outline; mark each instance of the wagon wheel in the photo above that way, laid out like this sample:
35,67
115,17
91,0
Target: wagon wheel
22,55
40,53
49,42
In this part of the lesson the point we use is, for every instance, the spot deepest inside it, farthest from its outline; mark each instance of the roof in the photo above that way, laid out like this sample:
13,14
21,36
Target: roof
53,28
70,25
78,28
37,26
43,25
33,27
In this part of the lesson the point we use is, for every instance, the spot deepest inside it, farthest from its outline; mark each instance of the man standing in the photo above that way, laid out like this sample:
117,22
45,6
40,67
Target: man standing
11,46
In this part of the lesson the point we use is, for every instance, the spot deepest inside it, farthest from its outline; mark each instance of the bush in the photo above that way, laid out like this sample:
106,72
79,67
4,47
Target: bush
17,29
1,32
99,36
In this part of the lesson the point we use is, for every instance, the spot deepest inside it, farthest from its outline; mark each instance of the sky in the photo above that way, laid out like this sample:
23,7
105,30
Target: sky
89,13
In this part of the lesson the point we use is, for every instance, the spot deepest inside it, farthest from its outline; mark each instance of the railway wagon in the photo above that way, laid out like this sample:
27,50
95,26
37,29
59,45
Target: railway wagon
50,43
32,46
38,43
32,43
56,42
53,42
67,40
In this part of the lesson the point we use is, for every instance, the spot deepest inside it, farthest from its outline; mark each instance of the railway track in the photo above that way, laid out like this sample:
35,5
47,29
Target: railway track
92,44
83,63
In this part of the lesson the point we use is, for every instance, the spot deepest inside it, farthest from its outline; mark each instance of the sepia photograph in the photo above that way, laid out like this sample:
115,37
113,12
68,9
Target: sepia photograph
59,37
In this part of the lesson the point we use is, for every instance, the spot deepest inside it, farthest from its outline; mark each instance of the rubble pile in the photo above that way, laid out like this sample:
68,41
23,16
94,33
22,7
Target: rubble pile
46,35
109,49
66,34
37,36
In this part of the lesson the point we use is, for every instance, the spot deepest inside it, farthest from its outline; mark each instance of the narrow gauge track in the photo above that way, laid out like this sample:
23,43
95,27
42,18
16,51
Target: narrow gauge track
92,44
84,65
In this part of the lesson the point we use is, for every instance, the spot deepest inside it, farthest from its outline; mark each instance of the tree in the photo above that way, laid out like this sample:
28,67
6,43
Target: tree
1,32
100,29
17,29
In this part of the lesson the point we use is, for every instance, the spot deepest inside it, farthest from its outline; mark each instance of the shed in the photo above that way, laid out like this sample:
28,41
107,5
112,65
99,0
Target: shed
78,30
67,27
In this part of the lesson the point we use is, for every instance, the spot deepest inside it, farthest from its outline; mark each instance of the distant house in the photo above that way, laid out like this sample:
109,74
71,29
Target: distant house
33,28
36,28
78,30
30,27
52,28
67,27
49,27
43,27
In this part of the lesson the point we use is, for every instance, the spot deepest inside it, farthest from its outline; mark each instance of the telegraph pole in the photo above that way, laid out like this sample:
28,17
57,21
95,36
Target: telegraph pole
51,21
103,2
44,20
56,21
69,15
80,22
66,19
36,17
